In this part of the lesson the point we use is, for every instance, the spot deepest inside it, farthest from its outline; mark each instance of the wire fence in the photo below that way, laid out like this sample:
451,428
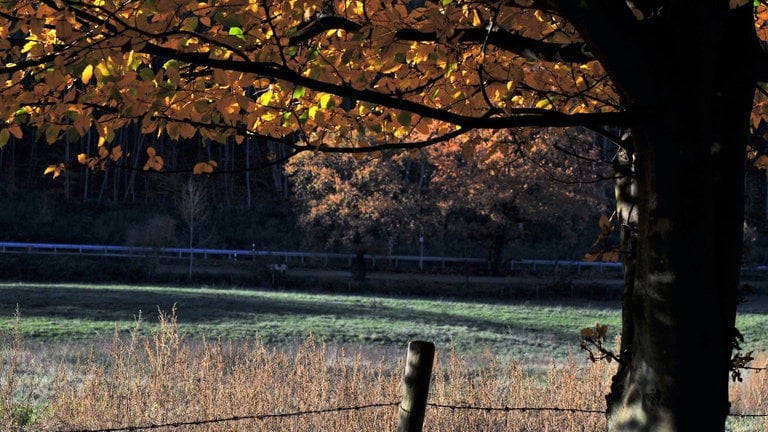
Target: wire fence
266,416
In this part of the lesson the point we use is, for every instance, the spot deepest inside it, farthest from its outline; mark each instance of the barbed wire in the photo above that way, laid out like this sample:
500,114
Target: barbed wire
747,415
261,417
758,369
233,419
521,409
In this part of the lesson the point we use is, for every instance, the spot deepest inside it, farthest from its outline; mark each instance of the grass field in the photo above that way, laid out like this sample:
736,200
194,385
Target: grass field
63,312
98,356
524,329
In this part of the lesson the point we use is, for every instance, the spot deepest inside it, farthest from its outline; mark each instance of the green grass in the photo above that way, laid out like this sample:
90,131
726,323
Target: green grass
521,329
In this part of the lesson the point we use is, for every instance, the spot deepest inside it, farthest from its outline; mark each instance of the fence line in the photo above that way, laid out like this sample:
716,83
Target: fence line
521,409
203,422
234,418
318,257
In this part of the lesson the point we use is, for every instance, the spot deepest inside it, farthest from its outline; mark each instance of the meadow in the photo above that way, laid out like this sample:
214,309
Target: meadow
92,357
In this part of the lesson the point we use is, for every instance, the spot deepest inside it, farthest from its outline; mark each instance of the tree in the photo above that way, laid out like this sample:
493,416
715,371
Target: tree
192,203
354,203
508,183
679,78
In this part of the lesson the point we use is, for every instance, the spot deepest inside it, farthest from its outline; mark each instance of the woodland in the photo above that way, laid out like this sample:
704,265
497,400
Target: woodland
664,98
528,207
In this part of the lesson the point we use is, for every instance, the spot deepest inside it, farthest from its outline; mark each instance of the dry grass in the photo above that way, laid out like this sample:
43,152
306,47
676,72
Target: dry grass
750,397
164,378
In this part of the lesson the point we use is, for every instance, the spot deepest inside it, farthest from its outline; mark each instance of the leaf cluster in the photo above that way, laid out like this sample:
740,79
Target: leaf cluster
344,75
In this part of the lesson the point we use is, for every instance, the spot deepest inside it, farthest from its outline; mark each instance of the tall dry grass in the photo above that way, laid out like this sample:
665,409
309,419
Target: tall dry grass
162,378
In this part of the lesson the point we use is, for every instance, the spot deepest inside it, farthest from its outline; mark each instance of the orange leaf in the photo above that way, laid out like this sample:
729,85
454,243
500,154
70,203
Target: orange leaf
589,257
204,167
762,162
117,153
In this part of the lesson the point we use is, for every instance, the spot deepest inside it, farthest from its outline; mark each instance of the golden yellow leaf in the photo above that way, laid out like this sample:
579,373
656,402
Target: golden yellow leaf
56,170
103,69
82,159
544,104
87,74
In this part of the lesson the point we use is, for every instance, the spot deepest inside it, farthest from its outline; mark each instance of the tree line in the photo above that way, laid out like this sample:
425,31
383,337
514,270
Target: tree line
487,203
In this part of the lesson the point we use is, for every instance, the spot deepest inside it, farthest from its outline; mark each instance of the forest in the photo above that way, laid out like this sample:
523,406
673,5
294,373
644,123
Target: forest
531,200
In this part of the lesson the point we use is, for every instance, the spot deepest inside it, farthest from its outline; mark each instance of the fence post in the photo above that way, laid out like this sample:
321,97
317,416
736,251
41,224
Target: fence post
418,374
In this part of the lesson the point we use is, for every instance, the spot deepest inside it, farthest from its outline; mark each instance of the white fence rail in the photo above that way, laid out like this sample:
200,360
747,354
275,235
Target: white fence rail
301,258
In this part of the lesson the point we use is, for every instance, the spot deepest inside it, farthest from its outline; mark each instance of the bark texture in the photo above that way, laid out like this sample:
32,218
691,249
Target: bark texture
684,248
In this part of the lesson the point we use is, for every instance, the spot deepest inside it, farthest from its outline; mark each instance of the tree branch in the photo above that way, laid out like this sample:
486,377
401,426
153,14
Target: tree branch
529,48
518,118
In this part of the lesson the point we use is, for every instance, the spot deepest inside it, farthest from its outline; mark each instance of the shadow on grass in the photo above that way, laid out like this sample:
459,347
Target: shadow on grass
236,312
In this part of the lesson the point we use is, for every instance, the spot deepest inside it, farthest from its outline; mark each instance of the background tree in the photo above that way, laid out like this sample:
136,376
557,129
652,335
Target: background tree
503,187
360,76
193,204
361,204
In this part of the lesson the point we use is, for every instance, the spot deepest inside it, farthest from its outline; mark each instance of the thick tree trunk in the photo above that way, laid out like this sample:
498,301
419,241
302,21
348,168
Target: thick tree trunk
685,247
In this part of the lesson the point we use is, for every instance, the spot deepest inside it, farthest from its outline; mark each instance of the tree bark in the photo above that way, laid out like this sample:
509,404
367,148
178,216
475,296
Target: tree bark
683,269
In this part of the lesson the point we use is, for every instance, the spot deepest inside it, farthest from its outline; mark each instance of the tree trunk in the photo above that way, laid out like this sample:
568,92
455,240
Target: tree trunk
358,267
685,247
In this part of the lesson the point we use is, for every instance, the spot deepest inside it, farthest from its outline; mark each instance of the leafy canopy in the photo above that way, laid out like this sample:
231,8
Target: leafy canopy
346,74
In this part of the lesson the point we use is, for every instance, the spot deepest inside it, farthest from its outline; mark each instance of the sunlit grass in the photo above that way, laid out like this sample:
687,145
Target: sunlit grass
525,328
89,356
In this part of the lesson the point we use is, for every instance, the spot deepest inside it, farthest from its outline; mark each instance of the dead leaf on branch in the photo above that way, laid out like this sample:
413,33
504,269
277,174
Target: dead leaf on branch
592,340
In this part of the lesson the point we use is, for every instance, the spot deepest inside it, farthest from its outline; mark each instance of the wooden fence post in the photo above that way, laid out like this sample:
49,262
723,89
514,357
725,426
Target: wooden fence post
418,374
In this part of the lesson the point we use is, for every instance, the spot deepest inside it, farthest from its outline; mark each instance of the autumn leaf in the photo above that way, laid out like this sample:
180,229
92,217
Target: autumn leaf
55,170
404,118
587,333
204,167
590,257
87,74
15,130
154,162
116,153
762,162
611,256
604,222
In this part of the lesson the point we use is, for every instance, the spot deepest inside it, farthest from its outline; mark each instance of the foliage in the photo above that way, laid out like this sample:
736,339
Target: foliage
481,193
327,73
363,204
503,187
